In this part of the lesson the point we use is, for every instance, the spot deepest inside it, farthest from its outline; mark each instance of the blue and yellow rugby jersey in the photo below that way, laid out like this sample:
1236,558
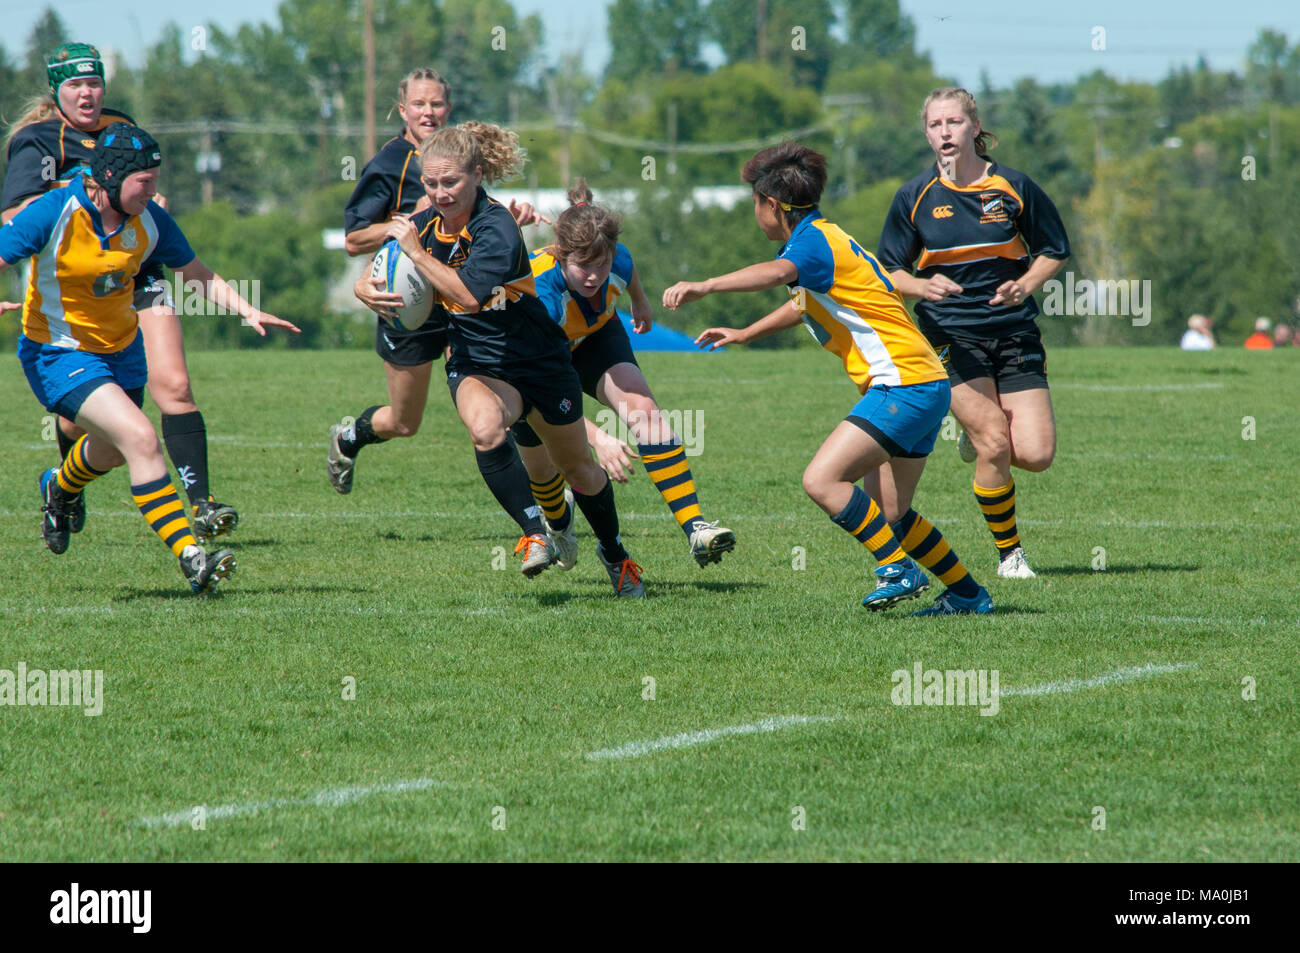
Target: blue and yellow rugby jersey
850,306
979,235
512,329
27,173
82,283
572,311
389,184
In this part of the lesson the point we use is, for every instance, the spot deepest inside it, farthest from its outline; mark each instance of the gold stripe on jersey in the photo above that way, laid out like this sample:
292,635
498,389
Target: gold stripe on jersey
921,196
992,183
1014,249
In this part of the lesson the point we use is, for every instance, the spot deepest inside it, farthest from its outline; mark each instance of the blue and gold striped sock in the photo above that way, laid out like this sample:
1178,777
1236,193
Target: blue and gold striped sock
162,509
75,472
666,464
550,497
926,545
862,519
998,504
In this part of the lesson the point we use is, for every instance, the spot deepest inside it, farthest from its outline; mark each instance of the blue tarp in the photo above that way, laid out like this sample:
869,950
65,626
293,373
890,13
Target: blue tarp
659,338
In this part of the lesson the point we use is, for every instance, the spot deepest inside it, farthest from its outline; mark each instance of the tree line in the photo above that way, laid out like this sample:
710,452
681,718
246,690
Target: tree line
1183,183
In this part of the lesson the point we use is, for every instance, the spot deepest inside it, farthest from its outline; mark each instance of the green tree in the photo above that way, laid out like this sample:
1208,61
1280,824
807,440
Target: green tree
649,38
793,35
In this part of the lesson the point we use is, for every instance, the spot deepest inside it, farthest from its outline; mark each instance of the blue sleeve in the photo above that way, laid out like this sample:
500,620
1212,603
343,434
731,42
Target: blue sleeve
623,266
550,292
29,231
173,250
811,254
900,242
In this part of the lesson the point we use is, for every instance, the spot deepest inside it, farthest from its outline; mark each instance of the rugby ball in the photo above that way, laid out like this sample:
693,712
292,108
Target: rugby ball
401,276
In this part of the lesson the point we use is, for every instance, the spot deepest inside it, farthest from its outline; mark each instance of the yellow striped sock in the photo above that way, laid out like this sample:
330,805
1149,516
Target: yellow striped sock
926,545
550,497
75,472
162,509
666,464
998,504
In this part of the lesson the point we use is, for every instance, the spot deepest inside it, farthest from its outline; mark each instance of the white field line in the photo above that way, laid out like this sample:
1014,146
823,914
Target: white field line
1116,677
331,797
635,749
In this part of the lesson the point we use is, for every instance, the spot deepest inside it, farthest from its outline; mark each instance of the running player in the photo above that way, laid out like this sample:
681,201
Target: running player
81,348
508,358
983,238
841,293
580,279
49,146
389,188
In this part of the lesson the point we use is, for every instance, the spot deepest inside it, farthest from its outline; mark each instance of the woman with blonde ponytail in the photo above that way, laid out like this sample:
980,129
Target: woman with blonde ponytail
582,279
389,188
508,358
982,239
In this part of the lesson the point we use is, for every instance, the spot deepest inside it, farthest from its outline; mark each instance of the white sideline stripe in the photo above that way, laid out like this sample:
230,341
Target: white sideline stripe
331,797
635,749
1129,674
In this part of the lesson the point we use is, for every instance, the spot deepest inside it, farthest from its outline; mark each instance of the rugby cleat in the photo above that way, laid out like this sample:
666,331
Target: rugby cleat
213,519
710,541
949,603
54,524
204,570
897,581
1014,566
966,449
75,507
566,542
625,576
338,465
539,552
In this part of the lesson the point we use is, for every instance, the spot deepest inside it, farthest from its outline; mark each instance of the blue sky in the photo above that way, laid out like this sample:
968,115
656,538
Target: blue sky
1144,38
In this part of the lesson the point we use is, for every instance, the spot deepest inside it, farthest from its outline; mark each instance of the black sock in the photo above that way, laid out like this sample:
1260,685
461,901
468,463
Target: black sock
187,444
65,442
360,433
598,510
506,477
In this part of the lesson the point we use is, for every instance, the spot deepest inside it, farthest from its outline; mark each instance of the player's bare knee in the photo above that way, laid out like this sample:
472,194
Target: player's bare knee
172,392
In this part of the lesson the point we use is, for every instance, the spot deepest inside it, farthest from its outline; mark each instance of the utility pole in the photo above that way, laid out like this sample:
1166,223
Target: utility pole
368,42
761,38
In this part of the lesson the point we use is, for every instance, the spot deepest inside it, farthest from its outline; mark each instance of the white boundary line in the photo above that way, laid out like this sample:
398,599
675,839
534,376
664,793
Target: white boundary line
634,749
1132,673
331,797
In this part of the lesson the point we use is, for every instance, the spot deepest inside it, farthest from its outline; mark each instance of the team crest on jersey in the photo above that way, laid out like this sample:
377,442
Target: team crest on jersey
992,208
129,239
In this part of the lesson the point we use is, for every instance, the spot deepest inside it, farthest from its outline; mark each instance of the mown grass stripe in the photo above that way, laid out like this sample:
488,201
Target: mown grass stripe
635,749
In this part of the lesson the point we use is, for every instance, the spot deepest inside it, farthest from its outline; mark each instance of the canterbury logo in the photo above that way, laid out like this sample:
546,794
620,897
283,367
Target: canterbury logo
942,211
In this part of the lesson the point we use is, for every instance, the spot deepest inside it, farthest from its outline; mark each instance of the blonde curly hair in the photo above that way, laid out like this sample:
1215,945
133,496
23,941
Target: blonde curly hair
477,145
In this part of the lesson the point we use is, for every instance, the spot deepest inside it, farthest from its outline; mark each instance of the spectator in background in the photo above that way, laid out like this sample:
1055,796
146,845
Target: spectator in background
1198,337
1260,341
1283,336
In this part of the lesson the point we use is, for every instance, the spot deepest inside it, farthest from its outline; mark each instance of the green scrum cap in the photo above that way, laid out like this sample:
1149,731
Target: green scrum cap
72,61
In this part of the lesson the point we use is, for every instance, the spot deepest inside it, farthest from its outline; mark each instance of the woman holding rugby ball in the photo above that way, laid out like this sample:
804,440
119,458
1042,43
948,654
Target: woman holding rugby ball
508,358
389,188
982,238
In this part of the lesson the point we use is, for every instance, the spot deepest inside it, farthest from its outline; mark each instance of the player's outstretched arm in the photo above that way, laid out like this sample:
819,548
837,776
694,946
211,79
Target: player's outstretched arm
642,312
759,277
934,288
1040,270
216,290
786,316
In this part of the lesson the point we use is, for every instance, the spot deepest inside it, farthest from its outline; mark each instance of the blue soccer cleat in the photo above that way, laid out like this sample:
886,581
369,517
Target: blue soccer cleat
949,603
898,581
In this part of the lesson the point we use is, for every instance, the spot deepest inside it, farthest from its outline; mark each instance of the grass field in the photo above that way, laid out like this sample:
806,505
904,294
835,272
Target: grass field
481,695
